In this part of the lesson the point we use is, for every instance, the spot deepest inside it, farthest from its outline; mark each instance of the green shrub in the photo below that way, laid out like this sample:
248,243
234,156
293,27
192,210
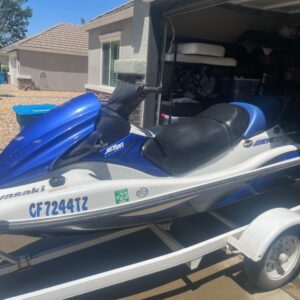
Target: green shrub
4,69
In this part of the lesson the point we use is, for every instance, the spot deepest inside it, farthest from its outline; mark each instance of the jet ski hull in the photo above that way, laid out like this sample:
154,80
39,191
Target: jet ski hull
74,175
28,214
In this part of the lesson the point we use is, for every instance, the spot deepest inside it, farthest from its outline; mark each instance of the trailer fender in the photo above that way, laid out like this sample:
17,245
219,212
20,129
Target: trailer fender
262,231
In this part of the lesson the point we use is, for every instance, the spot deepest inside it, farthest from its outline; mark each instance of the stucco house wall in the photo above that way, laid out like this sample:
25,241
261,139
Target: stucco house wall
131,22
55,59
4,60
94,52
52,71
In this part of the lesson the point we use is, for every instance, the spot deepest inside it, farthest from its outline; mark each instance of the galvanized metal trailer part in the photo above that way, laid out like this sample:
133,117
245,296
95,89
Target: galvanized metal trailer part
237,241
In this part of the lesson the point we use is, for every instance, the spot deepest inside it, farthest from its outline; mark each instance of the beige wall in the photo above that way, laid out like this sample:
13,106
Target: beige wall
94,47
51,71
4,60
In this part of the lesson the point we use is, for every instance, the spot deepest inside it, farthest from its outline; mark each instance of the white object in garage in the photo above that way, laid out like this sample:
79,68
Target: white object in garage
202,59
201,49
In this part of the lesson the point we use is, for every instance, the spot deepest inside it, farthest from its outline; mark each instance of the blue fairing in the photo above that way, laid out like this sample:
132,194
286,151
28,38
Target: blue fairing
264,112
257,120
128,152
37,147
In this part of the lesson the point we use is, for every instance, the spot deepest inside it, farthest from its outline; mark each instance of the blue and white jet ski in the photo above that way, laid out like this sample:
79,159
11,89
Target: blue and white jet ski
83,167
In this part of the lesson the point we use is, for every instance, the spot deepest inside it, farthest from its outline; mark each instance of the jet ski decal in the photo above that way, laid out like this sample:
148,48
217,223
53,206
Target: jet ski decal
277,139
114,148
121,196
55,208
34,190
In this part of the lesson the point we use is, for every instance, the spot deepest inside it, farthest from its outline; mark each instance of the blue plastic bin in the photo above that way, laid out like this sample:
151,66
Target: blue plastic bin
2,77
26,114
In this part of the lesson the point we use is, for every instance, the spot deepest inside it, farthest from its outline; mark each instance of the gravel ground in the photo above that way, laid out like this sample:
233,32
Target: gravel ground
10,96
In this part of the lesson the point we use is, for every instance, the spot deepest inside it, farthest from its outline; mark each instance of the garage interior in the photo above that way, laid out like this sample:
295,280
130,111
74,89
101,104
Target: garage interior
247,48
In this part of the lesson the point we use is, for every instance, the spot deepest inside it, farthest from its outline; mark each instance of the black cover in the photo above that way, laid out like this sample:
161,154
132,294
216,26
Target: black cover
113,124
186,145
111,128
125,99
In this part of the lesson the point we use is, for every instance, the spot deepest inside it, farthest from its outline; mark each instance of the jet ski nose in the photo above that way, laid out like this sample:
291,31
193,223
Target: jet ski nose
35,149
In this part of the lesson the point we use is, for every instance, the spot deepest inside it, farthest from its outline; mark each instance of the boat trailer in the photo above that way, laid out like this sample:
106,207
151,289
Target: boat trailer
254,241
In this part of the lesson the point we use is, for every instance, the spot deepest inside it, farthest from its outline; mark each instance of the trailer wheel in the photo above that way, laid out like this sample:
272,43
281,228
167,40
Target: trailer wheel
279,265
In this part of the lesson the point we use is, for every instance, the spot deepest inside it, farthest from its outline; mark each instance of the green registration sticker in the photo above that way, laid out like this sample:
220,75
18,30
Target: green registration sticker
121,196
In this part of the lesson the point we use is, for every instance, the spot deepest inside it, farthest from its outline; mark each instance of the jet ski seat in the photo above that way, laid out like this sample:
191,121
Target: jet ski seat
185,145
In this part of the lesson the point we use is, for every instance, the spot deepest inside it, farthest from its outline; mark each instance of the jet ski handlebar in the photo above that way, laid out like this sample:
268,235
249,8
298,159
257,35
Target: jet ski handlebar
149,89
127,97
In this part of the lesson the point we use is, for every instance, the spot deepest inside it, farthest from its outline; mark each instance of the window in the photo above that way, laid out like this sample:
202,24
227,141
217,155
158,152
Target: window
110,53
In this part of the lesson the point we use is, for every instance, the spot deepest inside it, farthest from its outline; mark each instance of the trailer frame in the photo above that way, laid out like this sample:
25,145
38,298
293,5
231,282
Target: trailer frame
191,255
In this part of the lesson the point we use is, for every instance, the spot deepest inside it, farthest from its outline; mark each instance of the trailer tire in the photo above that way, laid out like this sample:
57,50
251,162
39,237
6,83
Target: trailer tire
279,265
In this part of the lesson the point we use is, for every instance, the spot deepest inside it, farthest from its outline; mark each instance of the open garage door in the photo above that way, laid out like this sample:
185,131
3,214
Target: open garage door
262,37
161,11
280,6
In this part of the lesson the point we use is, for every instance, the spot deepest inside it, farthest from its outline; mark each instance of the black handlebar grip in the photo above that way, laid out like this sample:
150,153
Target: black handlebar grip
149,89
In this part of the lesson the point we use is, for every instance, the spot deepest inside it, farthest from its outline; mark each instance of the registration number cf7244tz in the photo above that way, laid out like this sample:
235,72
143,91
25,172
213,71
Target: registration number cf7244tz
55,208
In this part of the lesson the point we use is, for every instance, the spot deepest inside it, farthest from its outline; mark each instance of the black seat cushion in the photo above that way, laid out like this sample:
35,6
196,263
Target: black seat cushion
188,144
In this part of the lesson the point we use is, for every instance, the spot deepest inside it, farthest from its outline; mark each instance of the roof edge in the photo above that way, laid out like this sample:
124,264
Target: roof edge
108,18
45,50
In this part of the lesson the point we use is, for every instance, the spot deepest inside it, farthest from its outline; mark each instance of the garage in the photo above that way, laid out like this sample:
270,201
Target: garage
210,52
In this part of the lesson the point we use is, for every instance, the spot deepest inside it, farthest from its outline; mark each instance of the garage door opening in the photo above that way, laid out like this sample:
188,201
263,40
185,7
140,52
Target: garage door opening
232,52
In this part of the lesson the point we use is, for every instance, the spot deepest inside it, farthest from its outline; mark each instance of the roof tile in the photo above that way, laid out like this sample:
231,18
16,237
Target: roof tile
62,37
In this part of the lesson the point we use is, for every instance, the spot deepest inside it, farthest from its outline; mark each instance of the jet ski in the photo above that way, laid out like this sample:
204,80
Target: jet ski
83,167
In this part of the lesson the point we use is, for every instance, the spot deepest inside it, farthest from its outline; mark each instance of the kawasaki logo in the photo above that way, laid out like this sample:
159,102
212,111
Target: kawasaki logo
27,192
